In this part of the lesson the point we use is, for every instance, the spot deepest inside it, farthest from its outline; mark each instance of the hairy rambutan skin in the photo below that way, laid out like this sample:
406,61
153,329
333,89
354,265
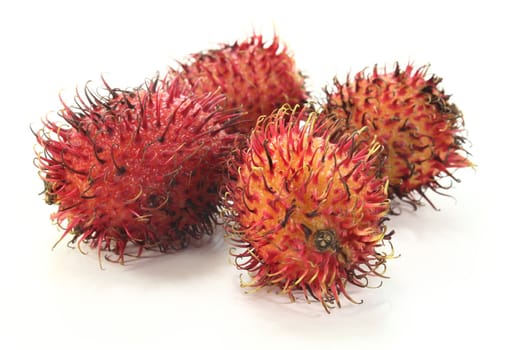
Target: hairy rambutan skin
304,213
138,167
419,129
257,77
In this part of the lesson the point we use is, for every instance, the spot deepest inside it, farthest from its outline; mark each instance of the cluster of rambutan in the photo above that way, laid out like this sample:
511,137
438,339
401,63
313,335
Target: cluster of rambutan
303,192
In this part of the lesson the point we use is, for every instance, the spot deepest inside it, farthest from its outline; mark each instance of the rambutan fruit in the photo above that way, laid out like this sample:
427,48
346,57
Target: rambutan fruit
138,167
412,118
257,77
306,214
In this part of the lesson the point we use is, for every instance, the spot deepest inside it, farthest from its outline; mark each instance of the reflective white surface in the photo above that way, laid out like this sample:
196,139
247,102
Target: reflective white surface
458,281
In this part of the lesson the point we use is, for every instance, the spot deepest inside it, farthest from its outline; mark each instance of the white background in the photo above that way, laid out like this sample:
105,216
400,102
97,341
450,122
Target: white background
458,282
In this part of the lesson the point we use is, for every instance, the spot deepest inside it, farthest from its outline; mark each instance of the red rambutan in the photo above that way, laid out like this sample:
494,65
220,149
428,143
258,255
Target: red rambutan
306,213
412,118
137,167
256,77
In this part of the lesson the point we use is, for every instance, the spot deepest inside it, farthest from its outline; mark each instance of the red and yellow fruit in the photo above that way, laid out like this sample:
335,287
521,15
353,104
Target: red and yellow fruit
412,118
256,77
137,167
306,214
